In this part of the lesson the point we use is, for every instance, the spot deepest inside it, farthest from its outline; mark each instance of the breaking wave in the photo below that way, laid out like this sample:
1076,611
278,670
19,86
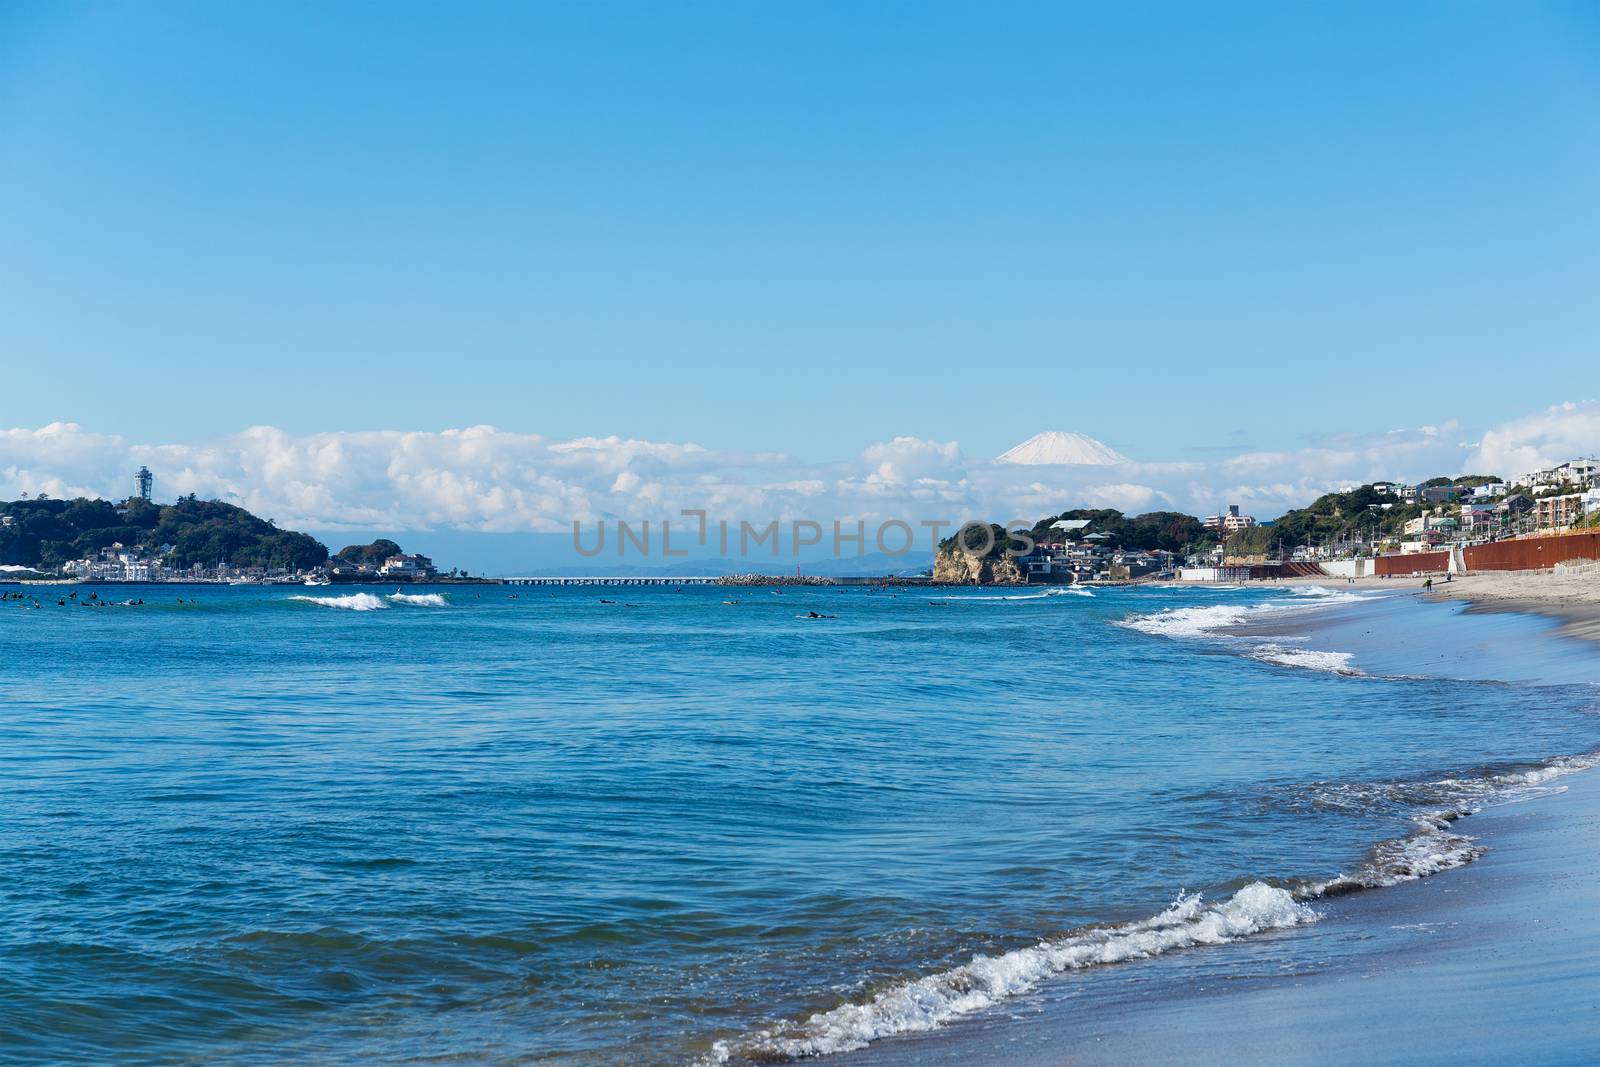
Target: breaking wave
1308,658
1326,593
1435,845
349,602
1188,622
1070,590
421,600
1213,620
929,1002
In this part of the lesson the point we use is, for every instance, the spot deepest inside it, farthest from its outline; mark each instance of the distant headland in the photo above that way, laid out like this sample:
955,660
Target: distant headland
189,540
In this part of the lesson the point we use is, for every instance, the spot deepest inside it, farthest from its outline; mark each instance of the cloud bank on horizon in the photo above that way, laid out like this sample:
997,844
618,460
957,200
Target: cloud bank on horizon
489,480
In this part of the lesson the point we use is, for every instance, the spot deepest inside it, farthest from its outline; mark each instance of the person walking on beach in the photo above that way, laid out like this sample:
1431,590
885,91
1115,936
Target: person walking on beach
1427,585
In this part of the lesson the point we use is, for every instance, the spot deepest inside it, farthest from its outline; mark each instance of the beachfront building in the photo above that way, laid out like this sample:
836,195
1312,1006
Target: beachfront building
1137,564
1229,522
1554,512
115,564
1047,564
404,566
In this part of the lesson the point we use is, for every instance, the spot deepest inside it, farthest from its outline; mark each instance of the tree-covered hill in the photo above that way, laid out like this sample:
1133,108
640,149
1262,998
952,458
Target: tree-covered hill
1171,531
369,555
1356,514
46,533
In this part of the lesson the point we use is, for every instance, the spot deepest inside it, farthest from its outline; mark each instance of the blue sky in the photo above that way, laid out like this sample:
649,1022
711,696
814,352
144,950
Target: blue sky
1185,230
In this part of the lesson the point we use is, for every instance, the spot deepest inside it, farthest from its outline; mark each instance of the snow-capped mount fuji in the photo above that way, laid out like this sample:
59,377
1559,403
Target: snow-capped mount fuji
1060,447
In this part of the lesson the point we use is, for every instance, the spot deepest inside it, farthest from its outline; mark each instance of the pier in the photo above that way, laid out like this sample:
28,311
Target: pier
618,580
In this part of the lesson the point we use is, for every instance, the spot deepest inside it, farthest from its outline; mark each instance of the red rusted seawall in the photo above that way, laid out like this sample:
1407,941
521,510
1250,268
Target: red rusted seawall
1532,553
1524,554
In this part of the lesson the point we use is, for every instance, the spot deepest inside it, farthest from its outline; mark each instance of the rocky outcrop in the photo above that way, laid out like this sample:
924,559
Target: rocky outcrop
995,568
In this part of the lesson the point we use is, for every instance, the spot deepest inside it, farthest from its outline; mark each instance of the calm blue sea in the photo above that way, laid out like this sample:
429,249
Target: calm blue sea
271,825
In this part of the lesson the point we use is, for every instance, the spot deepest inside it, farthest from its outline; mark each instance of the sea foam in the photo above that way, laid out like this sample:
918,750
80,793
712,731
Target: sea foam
1308,658
1188,622
1328,594
1211,620
932,1001
349,601
929,1002
1435,845
421,600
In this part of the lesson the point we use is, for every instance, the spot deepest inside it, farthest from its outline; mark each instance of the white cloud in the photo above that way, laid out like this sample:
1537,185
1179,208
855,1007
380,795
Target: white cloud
1553,436
481,478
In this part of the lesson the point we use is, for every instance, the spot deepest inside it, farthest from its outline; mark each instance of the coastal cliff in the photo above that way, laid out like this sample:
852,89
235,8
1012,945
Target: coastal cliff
994,568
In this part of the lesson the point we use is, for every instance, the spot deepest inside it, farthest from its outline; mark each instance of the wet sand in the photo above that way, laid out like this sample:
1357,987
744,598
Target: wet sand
1572,598
1492,963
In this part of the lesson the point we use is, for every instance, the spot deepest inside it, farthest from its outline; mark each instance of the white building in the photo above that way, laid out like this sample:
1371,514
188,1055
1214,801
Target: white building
1229,522
1582,472
1429,523
407,567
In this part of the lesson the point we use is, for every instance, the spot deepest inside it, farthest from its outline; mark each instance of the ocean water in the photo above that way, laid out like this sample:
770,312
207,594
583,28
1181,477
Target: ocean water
280,825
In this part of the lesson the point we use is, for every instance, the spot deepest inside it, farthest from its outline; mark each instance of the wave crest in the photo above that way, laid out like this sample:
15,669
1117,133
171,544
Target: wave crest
1070,590
421,600
348,602
929,1002
1308,658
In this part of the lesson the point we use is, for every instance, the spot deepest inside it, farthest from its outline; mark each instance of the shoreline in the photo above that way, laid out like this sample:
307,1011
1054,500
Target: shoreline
1572,599
1484,964
1438,969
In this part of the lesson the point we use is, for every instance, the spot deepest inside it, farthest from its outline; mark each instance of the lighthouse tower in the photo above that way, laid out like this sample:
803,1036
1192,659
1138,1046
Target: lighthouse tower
145,480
